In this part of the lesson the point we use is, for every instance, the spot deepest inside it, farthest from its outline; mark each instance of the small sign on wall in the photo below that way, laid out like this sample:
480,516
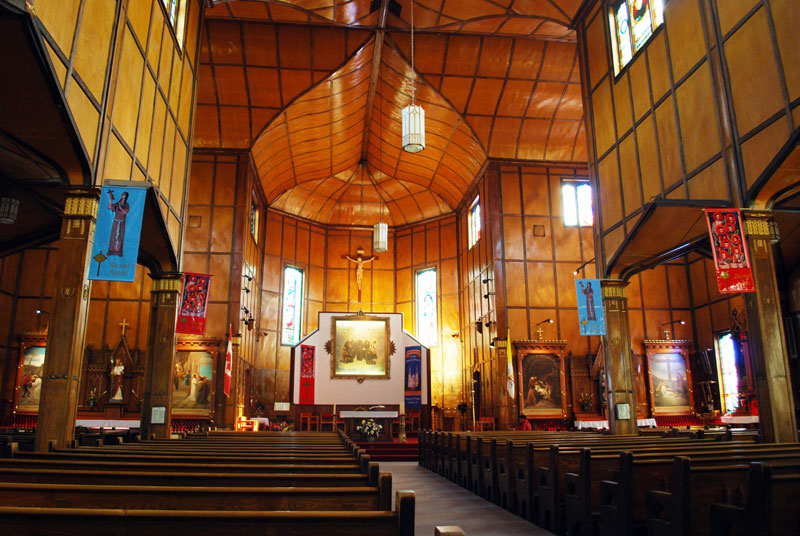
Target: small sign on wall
158,415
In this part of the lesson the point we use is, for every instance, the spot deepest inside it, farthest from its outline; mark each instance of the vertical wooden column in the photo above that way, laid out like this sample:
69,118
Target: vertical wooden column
769,356
620,376
161,341
67,332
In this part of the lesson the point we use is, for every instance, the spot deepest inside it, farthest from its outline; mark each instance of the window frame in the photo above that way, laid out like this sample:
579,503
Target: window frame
611,8
577,181
299,314
418,304
473,237
179,27
255,223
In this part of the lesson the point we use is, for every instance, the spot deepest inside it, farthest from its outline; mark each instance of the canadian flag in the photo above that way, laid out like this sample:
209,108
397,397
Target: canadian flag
226,387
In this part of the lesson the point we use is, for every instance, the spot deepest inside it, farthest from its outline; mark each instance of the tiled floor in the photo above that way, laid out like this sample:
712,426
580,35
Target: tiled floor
440,502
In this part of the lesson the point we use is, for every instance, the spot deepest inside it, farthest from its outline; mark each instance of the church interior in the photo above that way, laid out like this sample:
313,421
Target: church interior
454,216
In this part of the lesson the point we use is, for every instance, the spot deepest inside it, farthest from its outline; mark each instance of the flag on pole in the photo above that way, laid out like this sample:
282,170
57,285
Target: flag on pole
510,383
228,363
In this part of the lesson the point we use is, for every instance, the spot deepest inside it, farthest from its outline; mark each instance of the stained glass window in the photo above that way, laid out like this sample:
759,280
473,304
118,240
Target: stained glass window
254,220
176,14
292,305
730,374
633,23
577,203
474,222
427,319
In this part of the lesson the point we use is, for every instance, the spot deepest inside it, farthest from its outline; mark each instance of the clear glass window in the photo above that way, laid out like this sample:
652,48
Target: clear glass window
427,317
576,197
292,305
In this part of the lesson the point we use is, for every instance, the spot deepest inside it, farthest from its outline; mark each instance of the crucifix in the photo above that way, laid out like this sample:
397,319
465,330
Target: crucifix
360,261
539,333
124,325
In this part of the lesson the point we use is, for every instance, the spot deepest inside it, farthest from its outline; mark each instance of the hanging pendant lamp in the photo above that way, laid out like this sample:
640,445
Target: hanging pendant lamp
413,115
380,231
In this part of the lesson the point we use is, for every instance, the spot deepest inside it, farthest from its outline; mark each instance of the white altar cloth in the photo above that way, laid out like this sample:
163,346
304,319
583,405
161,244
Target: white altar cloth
368,414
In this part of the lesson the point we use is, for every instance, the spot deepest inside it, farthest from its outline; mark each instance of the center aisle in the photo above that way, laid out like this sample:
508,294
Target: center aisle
441,502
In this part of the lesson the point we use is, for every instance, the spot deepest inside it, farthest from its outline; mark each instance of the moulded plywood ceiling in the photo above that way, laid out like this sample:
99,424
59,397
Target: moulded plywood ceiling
531,18
319,101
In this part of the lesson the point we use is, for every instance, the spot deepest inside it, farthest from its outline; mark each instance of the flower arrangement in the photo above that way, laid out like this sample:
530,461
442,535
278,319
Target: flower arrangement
91,400
369,428
586,400
280,426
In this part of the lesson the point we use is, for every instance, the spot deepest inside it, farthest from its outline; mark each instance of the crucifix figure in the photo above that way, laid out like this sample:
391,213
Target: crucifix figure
360,261
124,325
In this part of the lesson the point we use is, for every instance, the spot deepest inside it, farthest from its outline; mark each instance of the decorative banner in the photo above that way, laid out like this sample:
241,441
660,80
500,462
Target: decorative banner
307,374
591,314
731,259
194,302
413,385
116,236
226,385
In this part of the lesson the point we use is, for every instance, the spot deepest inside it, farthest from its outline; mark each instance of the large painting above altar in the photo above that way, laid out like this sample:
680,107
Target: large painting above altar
360,347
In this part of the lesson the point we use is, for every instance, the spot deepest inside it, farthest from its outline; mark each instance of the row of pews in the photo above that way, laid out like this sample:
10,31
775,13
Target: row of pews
219,482
577,483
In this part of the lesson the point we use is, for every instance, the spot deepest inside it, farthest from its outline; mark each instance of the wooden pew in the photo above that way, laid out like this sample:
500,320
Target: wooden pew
25,521
686,508
89,495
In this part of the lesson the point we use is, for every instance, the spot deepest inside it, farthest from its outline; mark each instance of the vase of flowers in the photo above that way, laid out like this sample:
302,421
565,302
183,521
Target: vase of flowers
586,401
370,429
91,400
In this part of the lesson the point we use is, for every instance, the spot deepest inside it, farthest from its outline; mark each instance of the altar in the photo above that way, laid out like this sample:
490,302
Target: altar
382,417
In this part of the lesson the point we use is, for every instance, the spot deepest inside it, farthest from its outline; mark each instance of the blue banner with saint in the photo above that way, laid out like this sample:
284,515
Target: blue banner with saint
413,382
116,236
591,315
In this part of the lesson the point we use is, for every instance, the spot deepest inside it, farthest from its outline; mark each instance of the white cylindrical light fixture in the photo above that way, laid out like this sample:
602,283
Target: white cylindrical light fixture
380,237
9,209
413,128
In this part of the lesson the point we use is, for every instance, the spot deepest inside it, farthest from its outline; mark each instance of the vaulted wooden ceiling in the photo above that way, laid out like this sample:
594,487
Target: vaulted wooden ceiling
315,89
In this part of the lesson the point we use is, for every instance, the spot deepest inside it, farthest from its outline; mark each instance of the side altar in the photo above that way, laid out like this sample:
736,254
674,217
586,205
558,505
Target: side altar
367,365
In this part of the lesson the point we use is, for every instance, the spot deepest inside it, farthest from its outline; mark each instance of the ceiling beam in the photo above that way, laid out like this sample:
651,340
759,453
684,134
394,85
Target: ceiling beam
380,34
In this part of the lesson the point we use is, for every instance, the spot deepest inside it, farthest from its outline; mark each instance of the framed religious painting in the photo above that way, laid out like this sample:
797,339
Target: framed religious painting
29,373
670,377
193,369
360,347
543,390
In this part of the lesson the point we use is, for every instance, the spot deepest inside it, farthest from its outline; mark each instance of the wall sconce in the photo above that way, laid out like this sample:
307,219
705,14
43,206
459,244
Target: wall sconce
248,277
455,335
583,266
486,280
246,290
540,331
545,321
488,294
668,328
246,310
41,312
489,323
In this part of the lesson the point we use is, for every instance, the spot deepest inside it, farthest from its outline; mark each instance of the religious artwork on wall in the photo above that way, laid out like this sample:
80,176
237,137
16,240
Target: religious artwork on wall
542,391
121,372
116,238
29,378
670,377
194,302
360,347
413,379
359,260
731,258
591,314
307,374
193,377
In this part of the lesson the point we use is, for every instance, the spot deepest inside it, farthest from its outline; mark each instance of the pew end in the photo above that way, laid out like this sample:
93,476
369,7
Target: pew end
448,530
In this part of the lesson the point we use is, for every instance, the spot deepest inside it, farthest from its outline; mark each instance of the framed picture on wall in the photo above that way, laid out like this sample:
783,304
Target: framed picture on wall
670,377
542,391
360,347
29,374
193,369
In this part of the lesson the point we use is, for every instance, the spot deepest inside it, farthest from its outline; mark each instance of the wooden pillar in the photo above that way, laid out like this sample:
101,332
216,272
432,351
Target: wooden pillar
67,332
768,349
620,375
161,341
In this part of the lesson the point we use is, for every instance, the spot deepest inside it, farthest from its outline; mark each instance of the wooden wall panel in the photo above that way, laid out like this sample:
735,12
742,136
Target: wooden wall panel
705,54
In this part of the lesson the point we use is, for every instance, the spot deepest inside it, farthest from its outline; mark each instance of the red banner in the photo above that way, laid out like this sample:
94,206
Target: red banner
307,374
194,304
226,384
731,259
